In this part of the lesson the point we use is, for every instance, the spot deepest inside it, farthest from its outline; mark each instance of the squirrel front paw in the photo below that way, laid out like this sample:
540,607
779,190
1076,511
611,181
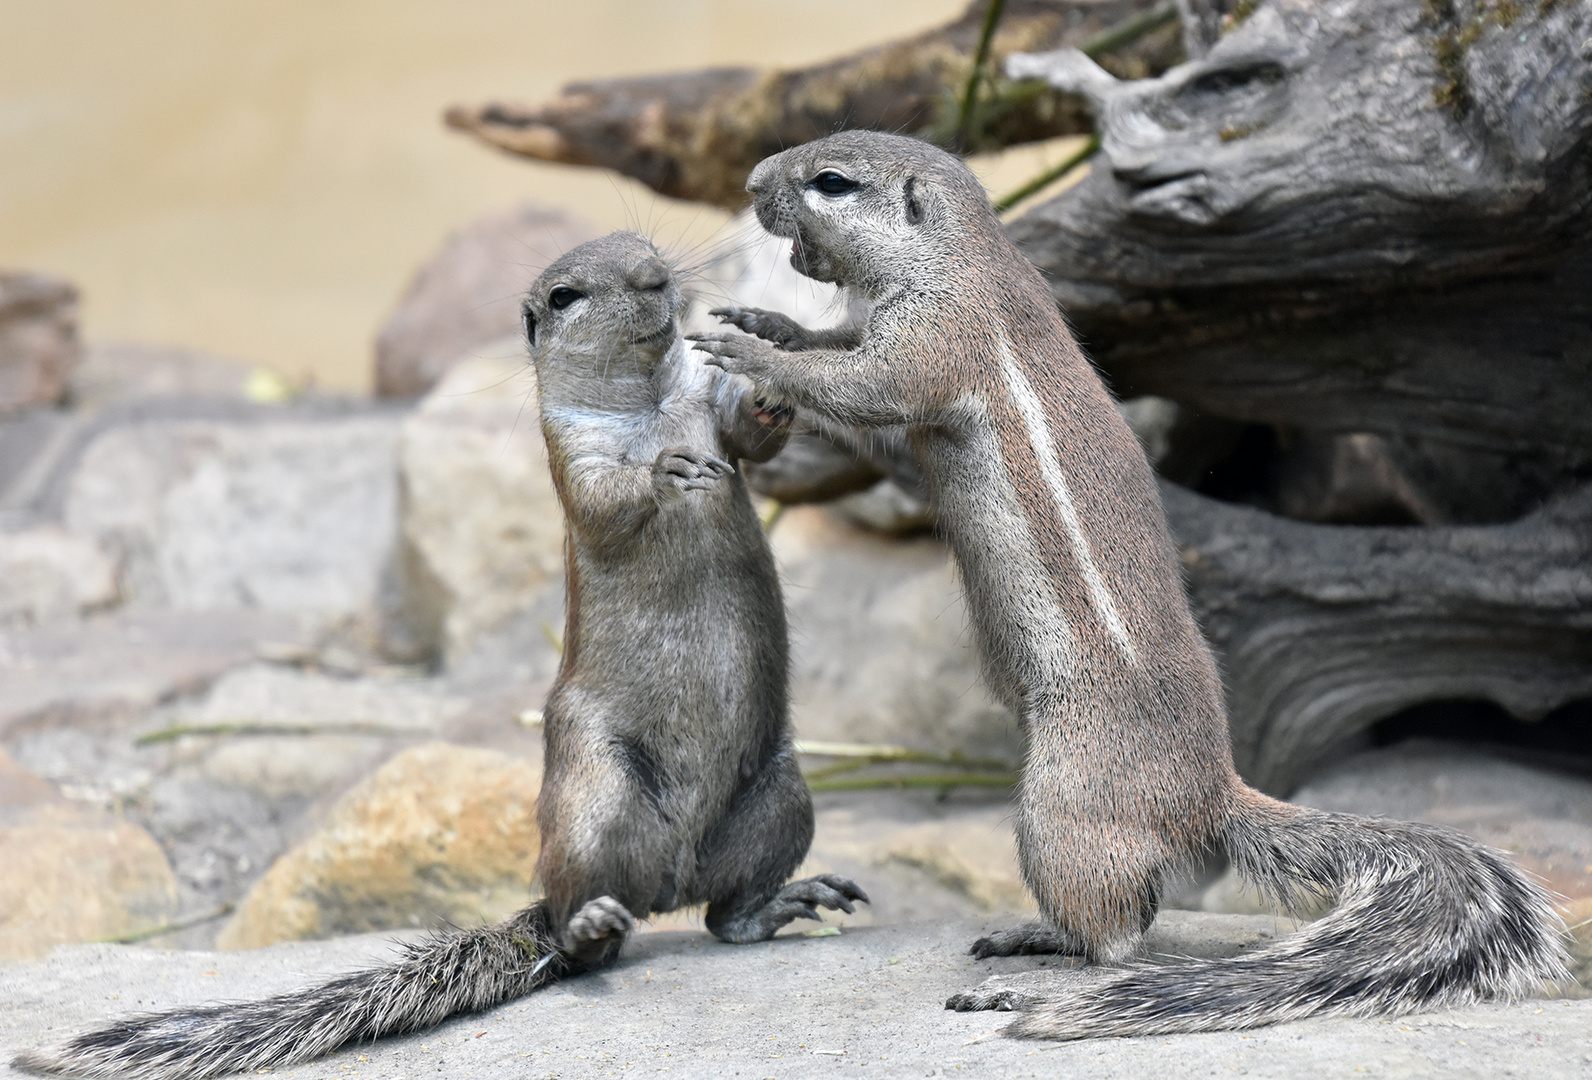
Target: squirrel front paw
782,330
680,469
738,354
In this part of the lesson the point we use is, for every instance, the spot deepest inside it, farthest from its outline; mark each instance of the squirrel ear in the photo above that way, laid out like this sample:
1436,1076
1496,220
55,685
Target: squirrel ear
528,320
914,211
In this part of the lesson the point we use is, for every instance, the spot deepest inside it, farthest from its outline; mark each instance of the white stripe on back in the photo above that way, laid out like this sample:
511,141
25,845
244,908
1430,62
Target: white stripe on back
1038,427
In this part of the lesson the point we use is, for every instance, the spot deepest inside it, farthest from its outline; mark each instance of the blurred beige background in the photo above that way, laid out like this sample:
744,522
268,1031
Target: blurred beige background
258,178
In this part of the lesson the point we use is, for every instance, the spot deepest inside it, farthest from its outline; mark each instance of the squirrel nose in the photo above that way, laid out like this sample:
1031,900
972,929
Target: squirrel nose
649,273
759,178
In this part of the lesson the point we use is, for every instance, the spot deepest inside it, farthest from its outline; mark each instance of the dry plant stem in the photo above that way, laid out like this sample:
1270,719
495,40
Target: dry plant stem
877,754
1049,176
964,119
1131,30
173,926
179,730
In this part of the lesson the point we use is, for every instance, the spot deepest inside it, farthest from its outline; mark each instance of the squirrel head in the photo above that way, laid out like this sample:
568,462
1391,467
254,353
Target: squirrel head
610,304
869,210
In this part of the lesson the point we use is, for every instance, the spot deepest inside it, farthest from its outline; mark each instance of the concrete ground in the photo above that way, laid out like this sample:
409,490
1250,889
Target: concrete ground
865,1002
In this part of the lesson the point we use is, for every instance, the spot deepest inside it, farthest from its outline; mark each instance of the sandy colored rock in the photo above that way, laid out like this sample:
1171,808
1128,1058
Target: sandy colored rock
440,834
468,294
47,573
38,339
482,530
73,874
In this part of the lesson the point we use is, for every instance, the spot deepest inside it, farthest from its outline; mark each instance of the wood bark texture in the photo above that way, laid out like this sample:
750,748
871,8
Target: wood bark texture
1370,215
696,135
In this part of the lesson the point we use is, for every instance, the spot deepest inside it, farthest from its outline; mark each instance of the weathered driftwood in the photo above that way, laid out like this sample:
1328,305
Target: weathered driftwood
1323,630
1366,216
696,135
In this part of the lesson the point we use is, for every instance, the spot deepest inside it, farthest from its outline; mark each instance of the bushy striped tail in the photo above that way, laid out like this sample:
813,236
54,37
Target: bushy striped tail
1425,917
451,973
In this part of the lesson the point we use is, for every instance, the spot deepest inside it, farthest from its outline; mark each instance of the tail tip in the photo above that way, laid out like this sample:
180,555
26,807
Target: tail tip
39,1063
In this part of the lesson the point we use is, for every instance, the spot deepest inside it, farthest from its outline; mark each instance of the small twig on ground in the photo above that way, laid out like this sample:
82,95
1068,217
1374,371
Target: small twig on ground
944,781
177,731
171,927
879,753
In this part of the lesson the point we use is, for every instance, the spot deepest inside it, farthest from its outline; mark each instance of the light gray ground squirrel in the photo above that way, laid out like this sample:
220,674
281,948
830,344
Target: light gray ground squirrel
1077,600
669,774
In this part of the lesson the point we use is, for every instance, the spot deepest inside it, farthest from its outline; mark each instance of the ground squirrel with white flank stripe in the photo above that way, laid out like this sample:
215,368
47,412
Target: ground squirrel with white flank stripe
670,777
1077,601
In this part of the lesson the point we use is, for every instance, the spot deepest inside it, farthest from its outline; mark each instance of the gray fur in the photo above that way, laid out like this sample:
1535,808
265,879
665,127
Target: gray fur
669,774
1076,596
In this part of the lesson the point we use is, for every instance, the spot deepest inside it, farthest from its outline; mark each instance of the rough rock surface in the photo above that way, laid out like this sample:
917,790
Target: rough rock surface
38,339
47,573
866,1002
282,514
468,294
482,532
880,650
130,658
444,830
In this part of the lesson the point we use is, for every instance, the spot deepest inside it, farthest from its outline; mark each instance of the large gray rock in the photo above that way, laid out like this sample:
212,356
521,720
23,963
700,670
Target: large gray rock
468,294
868,1001
38,339
290,514
880,647
482,532
128,659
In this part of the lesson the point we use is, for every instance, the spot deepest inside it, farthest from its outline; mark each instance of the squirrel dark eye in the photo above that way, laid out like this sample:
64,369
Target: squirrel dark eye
562,297
833,183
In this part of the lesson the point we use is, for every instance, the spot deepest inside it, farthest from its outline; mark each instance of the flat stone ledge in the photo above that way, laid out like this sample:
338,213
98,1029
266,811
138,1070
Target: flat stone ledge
868,1001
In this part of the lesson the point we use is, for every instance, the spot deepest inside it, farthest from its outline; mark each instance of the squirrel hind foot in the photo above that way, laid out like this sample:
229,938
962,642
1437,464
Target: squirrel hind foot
798,900
596,931
1029,939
